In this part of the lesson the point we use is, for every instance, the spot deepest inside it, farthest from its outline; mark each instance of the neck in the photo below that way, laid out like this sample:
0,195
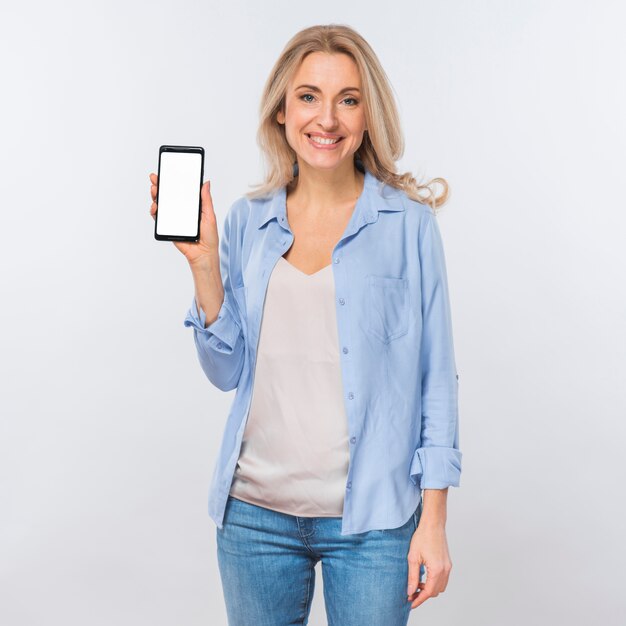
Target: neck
324,189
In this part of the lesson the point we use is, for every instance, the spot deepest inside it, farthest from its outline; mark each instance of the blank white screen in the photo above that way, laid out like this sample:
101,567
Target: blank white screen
179,194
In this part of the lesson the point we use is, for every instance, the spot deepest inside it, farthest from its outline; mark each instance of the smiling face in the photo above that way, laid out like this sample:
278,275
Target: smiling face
324,116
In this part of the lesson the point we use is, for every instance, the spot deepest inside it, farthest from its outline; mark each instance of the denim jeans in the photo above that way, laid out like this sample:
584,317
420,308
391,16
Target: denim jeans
267,567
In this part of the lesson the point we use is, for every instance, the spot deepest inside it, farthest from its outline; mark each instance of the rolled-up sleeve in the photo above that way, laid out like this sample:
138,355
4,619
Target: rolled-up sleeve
222,335
436,463
220,346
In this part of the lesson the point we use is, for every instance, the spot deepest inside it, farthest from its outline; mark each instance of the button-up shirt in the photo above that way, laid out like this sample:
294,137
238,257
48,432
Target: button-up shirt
399,376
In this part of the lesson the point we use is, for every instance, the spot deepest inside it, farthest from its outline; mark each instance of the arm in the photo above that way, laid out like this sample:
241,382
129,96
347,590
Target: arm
220,343
437,462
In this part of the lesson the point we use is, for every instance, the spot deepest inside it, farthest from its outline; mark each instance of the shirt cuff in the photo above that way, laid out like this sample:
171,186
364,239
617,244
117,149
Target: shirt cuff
222,334
436,467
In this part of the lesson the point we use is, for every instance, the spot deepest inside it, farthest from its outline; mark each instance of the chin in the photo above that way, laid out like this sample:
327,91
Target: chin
327,164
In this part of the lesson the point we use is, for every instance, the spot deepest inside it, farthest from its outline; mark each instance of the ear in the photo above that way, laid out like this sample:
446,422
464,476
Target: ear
280,117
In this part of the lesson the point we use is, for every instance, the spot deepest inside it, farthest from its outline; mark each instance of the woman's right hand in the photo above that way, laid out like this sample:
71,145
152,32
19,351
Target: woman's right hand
207,248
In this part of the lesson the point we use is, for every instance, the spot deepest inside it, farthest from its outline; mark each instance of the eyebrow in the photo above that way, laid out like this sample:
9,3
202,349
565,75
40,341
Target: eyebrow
318,90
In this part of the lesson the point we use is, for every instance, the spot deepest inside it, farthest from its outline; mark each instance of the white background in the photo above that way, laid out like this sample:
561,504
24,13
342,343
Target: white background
109,429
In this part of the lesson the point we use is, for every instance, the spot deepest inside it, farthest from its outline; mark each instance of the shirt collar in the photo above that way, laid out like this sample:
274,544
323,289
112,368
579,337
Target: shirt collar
376,196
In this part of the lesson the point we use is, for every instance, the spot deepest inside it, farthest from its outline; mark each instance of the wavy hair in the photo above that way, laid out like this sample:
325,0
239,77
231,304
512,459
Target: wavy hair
383,142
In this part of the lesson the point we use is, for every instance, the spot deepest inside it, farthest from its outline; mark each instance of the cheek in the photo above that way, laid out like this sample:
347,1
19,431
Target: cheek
293,134
354,122
297,115
359,123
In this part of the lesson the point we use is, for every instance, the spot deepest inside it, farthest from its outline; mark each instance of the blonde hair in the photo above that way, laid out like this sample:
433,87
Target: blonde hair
383,142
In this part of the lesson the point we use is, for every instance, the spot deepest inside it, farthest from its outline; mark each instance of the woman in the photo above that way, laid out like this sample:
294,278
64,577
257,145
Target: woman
325,304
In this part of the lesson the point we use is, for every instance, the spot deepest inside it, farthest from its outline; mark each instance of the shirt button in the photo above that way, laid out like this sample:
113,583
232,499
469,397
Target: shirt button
349,485
220,345
351,395
336,260
342,301
352,439
345,350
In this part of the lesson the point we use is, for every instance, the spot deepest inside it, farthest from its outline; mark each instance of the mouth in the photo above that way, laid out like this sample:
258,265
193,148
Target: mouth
324,141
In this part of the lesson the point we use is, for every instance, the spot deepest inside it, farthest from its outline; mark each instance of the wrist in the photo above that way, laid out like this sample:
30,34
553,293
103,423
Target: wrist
205,264
434,508
432,521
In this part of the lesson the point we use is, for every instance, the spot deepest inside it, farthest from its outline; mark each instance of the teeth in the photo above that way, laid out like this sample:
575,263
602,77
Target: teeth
323,140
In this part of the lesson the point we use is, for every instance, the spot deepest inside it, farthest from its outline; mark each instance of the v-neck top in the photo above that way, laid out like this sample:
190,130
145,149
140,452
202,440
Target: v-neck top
294,456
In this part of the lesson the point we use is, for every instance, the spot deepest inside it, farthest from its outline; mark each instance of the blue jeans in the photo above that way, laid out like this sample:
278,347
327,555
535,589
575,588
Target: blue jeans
267,567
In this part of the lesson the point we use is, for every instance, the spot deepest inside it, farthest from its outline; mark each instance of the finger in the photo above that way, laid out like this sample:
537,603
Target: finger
425,592
418,599
153,192
414,596
417,592
205,194
414,574
443,582
438,579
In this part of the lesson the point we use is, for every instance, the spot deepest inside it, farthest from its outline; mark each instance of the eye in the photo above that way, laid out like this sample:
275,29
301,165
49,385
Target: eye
353,100
306,95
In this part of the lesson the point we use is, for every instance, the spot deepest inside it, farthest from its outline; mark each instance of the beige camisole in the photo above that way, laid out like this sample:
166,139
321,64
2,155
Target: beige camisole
295,453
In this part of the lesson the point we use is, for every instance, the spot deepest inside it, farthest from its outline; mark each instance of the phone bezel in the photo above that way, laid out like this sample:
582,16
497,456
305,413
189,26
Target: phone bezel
181,149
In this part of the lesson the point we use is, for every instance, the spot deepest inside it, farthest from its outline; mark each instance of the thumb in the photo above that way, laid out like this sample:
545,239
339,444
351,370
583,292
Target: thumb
205,195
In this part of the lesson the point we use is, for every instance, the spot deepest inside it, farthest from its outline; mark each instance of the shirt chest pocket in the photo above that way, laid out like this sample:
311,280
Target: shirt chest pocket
388,307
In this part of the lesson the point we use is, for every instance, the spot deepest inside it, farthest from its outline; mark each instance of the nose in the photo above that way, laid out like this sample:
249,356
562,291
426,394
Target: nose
328,116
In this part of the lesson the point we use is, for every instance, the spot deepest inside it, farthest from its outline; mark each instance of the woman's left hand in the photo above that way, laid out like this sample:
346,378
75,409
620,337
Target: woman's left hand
430,547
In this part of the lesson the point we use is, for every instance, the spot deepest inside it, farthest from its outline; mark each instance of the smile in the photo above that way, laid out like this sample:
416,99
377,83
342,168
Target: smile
324,142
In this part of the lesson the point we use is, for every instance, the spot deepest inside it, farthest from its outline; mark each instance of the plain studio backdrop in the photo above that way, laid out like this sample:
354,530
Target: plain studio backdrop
110,429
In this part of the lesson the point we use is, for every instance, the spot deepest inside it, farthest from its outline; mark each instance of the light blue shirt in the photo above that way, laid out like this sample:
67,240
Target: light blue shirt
395,335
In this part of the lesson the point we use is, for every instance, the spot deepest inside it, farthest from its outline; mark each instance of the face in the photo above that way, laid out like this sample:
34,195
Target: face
323,100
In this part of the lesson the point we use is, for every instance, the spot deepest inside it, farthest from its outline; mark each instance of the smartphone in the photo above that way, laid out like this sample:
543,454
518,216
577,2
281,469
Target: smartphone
179,206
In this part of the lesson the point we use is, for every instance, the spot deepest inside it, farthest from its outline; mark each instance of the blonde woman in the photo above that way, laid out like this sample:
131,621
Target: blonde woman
325,305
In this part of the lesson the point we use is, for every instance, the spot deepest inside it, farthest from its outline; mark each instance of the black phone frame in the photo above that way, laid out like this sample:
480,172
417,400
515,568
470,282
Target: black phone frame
182,149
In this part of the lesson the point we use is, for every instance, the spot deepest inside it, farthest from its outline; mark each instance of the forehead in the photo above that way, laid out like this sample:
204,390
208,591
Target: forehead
327,71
